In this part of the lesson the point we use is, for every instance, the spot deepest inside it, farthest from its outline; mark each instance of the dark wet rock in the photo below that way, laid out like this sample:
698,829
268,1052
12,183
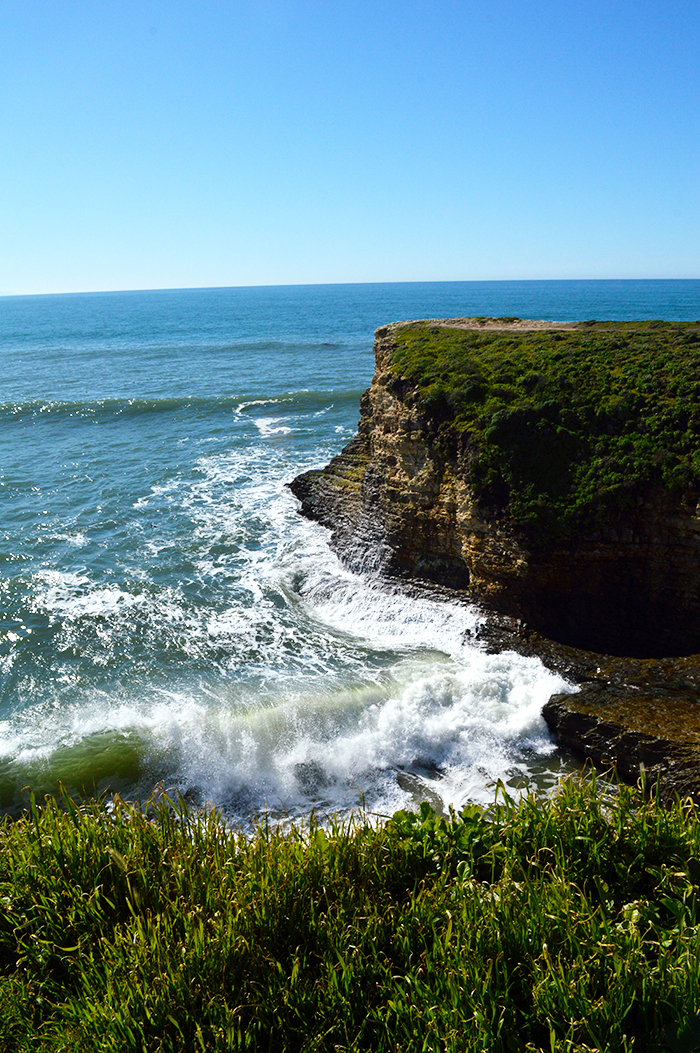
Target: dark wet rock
635,732
636,716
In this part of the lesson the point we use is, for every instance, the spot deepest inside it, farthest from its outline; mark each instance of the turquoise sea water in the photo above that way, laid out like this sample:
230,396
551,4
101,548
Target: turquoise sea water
166,616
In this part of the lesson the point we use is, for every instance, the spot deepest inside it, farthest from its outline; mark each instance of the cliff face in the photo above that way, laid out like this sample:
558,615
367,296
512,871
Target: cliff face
400,499
393,503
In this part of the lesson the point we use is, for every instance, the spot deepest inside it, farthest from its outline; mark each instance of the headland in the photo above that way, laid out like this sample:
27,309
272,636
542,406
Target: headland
549,472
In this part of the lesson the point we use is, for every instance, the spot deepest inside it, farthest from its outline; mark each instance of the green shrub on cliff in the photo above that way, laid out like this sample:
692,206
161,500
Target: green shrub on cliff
564,428
563,925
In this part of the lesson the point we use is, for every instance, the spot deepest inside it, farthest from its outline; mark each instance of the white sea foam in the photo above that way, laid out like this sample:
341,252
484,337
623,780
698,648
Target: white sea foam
295,685
242,406
72,595
78,539
362,694
331,749
268,426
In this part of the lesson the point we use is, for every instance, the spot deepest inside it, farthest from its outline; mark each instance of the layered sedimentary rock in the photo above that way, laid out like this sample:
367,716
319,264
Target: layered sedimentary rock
640,717
399,500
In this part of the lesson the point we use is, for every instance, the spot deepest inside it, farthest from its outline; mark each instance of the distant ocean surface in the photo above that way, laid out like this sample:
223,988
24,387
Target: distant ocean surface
167,617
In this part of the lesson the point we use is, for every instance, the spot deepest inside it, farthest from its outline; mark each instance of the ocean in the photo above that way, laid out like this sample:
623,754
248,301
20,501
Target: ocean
169,621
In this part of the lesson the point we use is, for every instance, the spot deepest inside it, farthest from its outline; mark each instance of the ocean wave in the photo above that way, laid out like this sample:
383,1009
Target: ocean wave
274,681
298,744
302,401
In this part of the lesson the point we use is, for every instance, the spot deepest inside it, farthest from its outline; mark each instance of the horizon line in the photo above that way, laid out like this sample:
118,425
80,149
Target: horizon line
310,285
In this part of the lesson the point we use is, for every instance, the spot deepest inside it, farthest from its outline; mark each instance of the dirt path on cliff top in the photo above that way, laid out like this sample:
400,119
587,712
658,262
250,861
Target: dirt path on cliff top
492,323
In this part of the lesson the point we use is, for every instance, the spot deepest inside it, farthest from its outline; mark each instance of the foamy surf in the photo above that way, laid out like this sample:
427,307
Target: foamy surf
268,426
316,690
167,617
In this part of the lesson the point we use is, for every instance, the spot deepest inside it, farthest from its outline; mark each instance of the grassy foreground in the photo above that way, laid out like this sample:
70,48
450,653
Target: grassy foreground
569,924
565,428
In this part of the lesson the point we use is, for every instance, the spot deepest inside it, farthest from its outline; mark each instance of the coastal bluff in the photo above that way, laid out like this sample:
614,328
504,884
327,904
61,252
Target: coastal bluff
548,471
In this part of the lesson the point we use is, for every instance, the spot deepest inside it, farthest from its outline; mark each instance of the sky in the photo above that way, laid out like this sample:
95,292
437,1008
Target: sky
173,144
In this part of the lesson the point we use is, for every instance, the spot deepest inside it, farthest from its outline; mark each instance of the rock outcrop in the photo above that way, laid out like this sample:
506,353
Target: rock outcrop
638,717
398,500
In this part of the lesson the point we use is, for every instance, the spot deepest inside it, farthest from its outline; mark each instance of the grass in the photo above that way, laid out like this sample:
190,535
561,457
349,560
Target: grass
559,925
562,428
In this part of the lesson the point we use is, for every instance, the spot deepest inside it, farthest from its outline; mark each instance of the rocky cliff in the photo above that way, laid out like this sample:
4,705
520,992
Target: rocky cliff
552,473
470,479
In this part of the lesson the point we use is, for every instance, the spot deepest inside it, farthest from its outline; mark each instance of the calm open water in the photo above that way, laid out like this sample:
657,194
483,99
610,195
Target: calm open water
166,616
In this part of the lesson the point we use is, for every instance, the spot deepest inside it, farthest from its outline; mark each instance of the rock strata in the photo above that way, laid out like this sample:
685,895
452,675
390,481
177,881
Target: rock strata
400,501
634,716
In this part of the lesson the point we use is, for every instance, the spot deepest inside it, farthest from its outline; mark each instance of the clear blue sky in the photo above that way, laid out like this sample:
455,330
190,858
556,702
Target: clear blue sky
154,144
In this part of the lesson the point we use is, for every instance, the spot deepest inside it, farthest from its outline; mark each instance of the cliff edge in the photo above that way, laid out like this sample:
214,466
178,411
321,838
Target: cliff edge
550,470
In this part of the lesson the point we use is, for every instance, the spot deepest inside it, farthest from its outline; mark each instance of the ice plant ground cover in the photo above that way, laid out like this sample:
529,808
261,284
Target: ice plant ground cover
569,923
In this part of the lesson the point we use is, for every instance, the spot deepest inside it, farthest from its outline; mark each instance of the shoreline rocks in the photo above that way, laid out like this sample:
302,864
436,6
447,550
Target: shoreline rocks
634,716
399,502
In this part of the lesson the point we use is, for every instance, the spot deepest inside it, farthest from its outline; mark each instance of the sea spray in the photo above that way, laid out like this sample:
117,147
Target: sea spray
305,686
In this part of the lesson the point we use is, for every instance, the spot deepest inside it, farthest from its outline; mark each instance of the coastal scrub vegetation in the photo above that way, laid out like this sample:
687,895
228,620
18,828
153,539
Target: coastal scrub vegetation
567,924
564,428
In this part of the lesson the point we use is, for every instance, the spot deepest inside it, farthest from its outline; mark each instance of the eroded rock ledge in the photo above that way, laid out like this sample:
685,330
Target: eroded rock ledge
406,498
630,715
